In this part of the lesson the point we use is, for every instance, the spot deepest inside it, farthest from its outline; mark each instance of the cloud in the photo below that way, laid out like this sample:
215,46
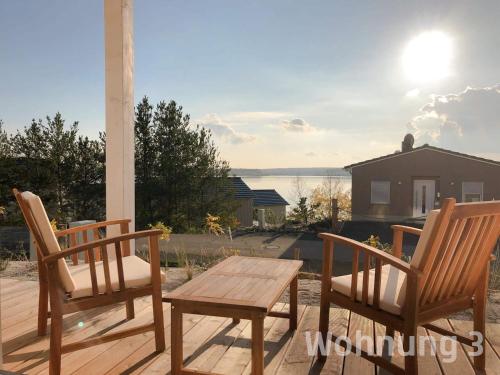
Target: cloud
253,117
311,154
297,125
412,93
468,121
223,130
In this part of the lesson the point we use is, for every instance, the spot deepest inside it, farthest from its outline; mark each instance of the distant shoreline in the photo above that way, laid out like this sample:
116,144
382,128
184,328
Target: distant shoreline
289,172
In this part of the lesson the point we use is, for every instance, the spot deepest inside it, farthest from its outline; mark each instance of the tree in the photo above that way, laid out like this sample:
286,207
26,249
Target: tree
303,211
179,170
60,156
86,189
180,176
145,162
30,149
322,195
5,144
45,158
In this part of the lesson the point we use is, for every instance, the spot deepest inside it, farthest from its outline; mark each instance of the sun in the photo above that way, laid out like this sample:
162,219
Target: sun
427,57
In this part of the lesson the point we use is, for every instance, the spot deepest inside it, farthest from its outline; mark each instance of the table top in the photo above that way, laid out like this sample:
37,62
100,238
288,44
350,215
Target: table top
240,282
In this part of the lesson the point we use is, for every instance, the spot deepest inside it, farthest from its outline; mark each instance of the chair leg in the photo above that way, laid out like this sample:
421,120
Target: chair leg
479,310
56,327
158,320
389,332
411,359
324,317
129,306
43,306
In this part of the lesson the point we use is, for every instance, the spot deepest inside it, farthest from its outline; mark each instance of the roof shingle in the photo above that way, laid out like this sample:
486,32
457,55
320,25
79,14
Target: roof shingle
268,197
424,147
241,189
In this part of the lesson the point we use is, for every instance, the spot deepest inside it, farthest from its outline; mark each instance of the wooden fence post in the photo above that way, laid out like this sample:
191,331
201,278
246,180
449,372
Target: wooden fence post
335,214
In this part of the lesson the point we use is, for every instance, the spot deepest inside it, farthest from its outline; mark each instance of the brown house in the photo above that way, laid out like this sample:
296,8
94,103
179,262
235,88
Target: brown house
244,197
408,184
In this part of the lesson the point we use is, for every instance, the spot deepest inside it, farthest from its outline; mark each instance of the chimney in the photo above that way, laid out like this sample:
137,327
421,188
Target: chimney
407,144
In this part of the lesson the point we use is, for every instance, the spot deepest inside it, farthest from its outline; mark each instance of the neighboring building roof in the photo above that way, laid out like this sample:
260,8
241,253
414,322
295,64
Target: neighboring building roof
424,147
241,190
268,197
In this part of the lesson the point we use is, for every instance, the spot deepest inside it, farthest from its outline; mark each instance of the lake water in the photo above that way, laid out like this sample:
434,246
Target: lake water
286,185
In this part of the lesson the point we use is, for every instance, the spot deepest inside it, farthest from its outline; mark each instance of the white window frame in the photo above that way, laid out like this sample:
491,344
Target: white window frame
381,185
479,183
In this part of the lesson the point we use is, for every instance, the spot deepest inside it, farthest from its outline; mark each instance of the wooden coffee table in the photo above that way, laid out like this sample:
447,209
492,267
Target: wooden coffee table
238,288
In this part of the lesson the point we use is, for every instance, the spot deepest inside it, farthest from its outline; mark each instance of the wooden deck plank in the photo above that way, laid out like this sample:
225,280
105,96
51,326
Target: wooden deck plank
203,331
146,352
35,356
22,297
276,343
238,356
6,281
13,290
338,325
493,336
463,327
162,359
459,366
110,356
209,343
355,364
427,364
77,360
207,356
297,360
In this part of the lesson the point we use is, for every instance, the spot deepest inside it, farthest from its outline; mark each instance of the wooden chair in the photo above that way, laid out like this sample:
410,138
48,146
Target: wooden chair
115,279
448,273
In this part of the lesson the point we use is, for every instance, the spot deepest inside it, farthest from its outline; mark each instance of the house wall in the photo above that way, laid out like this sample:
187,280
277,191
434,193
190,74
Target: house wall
244,212
277,213
447,170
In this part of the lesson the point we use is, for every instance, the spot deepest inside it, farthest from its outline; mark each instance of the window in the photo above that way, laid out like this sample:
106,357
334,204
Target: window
472,191
381,192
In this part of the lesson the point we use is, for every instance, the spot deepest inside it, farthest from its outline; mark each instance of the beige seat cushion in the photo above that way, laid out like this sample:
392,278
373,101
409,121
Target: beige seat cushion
48,237
423,241
391,283
137,273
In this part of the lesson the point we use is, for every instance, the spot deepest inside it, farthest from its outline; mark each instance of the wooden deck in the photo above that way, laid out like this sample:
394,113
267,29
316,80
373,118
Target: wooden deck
210,343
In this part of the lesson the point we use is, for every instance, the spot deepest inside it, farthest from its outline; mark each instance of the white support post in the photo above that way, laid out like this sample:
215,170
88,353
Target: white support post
119,57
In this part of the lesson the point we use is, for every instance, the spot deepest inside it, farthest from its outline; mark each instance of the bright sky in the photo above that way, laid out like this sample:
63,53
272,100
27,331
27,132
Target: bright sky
281,83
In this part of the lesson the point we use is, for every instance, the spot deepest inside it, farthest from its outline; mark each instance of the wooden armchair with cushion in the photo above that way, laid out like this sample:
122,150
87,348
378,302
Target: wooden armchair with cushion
448,273
117,278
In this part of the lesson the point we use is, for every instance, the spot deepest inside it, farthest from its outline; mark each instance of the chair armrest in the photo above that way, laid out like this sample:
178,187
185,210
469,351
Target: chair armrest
82,228
368,252
100,243
371,251
397,239
406,229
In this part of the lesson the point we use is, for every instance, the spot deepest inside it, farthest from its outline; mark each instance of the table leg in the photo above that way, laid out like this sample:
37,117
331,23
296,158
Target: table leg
258,345
293,303
176,337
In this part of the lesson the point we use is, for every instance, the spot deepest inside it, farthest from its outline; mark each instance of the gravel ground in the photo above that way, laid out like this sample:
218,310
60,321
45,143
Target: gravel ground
309,290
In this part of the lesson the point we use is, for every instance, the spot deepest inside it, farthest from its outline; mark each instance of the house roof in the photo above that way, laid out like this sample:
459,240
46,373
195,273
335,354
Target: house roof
268,197
421,148
241,190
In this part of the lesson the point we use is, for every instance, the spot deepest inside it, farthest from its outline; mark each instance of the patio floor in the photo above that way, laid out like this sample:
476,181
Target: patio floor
210,343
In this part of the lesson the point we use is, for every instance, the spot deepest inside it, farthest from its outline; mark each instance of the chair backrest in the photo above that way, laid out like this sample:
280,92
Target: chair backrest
454,249
39,225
